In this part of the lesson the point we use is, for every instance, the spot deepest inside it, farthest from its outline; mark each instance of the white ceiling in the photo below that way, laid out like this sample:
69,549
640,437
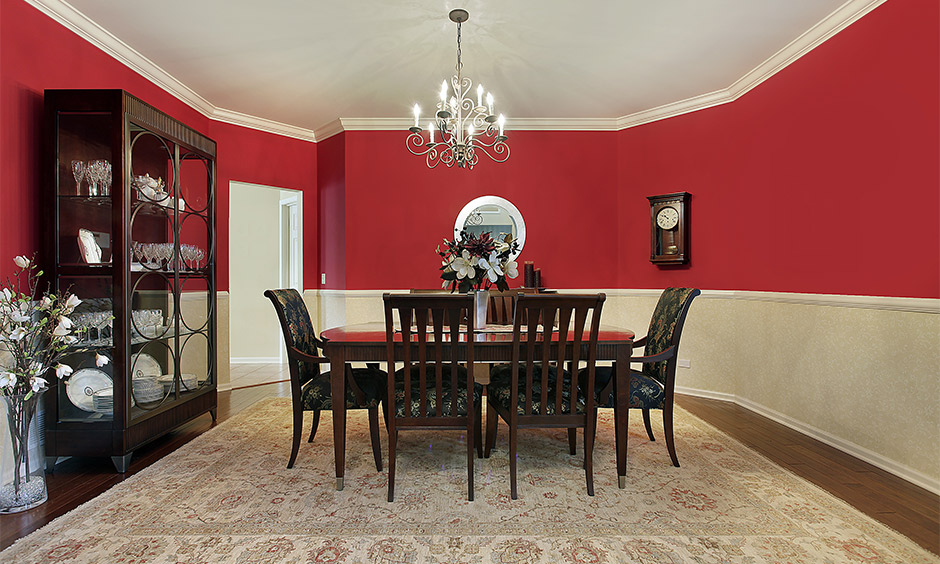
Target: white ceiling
307,63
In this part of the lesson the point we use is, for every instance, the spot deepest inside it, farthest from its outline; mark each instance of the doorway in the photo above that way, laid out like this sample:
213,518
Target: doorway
265,251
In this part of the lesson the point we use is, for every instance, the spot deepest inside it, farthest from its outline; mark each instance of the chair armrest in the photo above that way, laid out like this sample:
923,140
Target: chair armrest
296,354
665,355
639,343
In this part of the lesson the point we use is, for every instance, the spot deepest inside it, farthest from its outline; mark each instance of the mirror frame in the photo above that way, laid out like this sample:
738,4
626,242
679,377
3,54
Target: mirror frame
498,201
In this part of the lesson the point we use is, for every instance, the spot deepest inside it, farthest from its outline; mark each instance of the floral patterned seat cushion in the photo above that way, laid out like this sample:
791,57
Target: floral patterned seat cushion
316,394
645,392
499,390
432,392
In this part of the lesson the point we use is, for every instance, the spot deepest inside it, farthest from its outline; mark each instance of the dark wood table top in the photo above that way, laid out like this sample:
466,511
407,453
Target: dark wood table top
372,333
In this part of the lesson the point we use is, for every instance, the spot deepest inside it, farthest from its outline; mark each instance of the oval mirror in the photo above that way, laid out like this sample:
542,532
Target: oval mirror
496,215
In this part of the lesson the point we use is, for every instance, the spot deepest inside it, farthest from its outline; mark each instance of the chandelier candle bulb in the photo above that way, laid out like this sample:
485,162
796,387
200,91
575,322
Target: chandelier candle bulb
431,129
501,122
417,113
479,95
489,101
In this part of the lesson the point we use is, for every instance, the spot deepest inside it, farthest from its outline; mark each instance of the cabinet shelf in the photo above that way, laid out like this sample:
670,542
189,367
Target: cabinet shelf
90,125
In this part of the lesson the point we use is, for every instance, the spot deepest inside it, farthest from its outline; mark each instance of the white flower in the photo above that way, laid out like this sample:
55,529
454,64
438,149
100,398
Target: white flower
63,371
71,303
21,261
6,295
18,314
62,329
464,265
493,272
70,339
101,360
7,380
37,383
45,303
511,268
17,334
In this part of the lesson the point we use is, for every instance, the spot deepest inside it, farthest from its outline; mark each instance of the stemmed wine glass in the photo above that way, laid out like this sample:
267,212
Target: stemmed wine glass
105,178
78,170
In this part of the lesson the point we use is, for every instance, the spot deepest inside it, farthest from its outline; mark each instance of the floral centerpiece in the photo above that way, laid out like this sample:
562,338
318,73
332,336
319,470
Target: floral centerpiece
35,333
477,262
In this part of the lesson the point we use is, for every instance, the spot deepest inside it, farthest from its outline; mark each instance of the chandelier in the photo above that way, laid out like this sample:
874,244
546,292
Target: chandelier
466,126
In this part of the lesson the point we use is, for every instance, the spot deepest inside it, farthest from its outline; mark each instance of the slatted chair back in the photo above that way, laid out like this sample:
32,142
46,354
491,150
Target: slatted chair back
503,303
435,387
539,387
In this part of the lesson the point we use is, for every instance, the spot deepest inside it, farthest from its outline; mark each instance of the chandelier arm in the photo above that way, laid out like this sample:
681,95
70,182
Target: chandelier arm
499,148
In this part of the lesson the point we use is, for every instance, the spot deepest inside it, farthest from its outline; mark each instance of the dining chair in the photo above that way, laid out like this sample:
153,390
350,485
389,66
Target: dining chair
502,304
536,389
310,387
433,389
653,387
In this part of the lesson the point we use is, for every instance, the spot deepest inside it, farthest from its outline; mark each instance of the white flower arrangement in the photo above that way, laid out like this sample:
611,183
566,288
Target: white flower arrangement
35,332
475,262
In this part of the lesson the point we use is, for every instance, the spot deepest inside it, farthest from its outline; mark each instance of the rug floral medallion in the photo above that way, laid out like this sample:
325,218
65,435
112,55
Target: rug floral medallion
227,496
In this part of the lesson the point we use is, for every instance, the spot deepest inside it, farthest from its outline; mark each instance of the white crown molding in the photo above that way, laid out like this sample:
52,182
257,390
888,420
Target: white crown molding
842,17
261,124
63,13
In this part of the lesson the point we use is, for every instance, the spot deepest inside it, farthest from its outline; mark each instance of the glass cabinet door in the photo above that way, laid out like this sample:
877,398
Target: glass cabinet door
90,392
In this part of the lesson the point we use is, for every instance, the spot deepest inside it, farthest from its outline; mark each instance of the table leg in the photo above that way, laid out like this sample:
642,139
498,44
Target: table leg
337,356
622,410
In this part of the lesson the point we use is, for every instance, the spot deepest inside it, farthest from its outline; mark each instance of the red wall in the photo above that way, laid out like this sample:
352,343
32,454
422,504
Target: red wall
398,211
331,180
805,184
255,157
810,182
36,53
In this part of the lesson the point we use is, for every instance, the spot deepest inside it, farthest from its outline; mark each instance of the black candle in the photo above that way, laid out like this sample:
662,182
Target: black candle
528,274
537,279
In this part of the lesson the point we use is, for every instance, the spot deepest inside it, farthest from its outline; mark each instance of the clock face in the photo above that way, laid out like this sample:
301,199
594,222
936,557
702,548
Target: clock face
667,218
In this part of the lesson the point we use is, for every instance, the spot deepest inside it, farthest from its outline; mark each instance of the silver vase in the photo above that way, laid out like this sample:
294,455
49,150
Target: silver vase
481,301
22,475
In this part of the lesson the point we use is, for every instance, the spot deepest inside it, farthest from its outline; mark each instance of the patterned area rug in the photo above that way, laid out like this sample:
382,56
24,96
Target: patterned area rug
227,497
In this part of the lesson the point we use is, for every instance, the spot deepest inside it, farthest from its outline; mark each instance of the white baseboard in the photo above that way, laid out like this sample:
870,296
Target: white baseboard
255,360
905,472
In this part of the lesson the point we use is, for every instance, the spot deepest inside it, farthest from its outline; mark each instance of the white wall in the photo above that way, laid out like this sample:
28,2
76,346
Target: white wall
254,266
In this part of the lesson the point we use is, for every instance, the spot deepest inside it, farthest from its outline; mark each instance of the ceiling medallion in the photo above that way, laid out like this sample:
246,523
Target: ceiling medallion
467,127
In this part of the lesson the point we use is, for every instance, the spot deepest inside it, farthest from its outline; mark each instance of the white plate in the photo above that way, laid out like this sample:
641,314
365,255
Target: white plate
145,366
82,385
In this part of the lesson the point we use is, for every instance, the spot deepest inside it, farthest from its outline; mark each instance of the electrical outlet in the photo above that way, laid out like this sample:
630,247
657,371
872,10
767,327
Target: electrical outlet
684,363
323,278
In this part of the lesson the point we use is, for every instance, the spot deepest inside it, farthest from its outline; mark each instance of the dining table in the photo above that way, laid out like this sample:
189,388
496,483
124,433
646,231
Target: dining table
366,342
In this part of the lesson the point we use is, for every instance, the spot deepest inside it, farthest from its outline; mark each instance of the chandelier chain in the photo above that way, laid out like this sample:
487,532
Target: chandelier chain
459,64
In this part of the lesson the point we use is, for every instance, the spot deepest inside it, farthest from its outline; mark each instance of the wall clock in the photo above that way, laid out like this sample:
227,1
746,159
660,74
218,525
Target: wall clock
669,228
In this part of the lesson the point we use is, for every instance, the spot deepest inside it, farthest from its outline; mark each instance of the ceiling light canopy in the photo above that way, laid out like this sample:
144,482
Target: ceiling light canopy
466,126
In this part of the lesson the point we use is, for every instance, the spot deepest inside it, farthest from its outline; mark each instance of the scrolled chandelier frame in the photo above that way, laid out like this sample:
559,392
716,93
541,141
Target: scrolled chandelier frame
467,127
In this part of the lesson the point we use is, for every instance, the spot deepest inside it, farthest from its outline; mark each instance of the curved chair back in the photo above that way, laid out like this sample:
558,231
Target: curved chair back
295,320
666,329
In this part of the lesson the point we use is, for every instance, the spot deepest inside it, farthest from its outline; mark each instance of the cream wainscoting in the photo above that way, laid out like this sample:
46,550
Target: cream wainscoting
856,372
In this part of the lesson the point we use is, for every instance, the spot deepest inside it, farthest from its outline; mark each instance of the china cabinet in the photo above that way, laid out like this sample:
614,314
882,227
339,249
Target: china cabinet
131,230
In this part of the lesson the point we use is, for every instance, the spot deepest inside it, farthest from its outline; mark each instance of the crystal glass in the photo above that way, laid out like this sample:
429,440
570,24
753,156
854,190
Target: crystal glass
78,170
91,174
105,178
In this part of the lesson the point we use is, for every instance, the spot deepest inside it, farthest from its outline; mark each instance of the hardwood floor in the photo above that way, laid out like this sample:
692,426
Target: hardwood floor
906,508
